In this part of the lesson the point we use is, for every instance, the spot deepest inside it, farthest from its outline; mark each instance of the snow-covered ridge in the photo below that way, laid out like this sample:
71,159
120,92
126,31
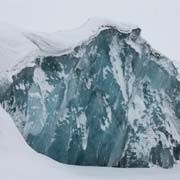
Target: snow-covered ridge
63,41
19,48
13,46
17,45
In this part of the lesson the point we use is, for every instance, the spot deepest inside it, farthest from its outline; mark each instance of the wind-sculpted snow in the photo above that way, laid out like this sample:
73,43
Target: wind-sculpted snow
111,101
14,46
62,42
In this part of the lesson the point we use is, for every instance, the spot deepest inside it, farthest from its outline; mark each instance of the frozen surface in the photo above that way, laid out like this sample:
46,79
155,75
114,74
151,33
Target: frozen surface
21,46
17,160
18,47
13,46
62,41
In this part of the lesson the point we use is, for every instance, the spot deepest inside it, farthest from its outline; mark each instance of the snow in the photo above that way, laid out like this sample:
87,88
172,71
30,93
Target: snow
117,67
82,124
64,41
19,47
134,46
171,66
41,80
107,120
13,46
106,70
20,162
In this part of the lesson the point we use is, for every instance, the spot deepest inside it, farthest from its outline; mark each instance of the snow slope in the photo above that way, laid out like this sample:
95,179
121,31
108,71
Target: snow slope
19,162
63,41
13,46
19,47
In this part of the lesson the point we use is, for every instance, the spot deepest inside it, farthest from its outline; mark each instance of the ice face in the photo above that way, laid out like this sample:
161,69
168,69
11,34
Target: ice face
110,102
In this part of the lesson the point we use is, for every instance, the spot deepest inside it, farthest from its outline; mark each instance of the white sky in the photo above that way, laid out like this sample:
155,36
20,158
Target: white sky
159,19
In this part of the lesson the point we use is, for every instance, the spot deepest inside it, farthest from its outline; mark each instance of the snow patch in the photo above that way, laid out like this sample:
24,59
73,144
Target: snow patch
117,67
82,124
41,79
106,70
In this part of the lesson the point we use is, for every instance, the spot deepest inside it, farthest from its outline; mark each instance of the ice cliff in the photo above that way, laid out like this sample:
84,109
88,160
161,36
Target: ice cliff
98,95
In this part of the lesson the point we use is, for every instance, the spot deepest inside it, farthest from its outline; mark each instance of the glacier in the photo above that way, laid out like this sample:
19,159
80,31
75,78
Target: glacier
99,96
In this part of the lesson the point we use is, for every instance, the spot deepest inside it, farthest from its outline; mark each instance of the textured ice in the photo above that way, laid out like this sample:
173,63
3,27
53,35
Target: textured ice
105,98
